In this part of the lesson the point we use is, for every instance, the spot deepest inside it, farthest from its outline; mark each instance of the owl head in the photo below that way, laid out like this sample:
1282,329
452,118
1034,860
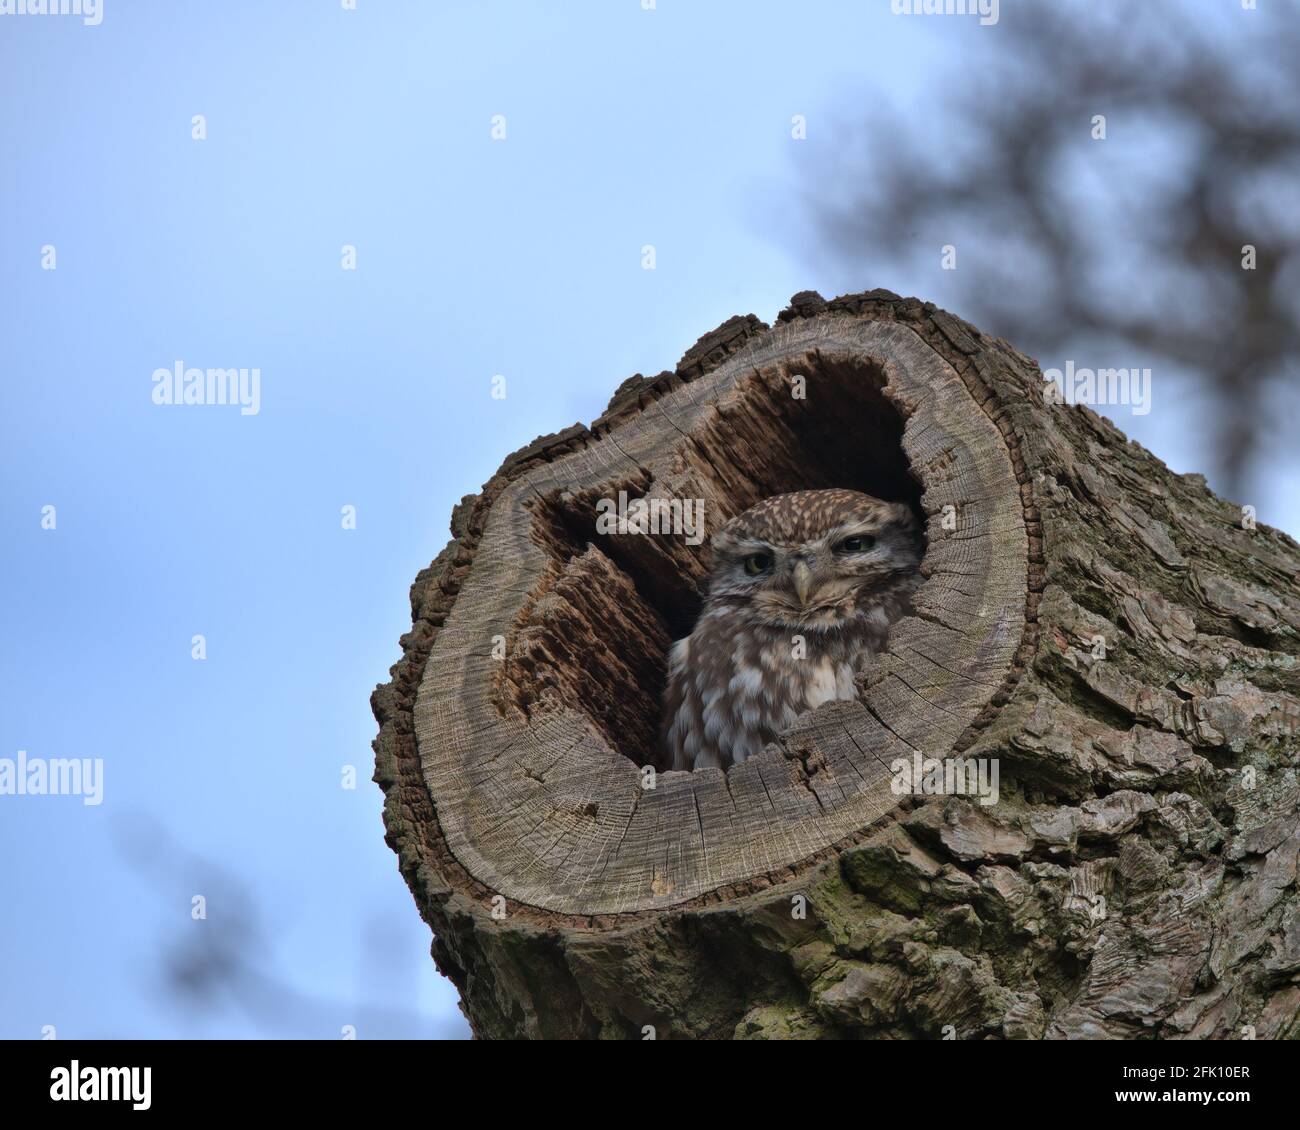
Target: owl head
814,559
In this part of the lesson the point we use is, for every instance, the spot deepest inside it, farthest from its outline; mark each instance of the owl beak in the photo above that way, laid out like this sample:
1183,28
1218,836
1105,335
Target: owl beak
802,581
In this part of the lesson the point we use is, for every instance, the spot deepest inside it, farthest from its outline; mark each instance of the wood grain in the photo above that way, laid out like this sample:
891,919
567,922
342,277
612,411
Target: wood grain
545,809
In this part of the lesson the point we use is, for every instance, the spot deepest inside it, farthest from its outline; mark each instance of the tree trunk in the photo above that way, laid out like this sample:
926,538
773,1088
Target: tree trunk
1112,640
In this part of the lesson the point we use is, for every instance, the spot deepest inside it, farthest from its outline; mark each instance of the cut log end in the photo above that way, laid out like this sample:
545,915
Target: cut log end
538,709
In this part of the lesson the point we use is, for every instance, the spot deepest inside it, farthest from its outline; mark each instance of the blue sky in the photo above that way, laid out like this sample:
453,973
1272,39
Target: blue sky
475,258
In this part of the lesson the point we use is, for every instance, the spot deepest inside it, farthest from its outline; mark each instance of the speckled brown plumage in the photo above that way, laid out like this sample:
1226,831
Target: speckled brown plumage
803,589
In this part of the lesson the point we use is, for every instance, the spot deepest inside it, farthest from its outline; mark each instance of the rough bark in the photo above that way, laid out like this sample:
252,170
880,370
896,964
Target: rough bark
1137,876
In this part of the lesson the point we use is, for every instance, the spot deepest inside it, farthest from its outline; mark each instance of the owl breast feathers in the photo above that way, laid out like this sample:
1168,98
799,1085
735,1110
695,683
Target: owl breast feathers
802,591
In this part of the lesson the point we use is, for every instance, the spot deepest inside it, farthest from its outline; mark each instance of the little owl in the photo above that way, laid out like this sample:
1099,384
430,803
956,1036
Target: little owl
803,590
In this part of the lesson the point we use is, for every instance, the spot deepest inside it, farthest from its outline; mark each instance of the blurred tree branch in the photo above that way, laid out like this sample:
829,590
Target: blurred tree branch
1133,243
229,959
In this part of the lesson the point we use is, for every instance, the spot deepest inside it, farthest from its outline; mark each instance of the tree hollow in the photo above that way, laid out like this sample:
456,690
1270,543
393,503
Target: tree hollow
539,703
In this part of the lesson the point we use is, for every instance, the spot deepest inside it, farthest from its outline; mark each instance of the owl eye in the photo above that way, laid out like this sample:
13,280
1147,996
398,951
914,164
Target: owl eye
857,544
757,563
